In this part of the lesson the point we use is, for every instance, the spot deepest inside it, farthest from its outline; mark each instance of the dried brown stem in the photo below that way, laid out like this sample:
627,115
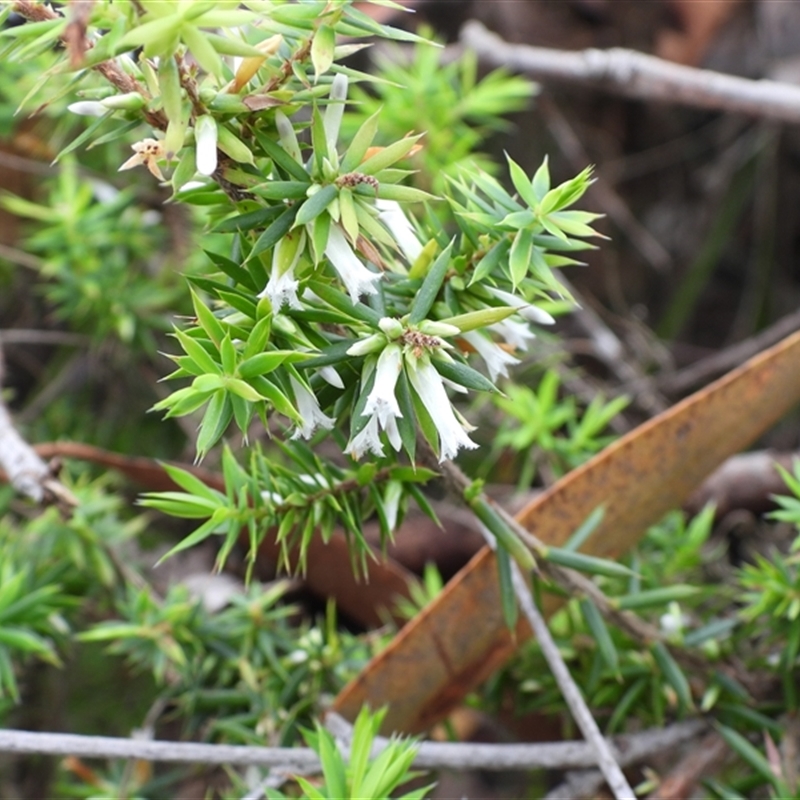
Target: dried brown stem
638,75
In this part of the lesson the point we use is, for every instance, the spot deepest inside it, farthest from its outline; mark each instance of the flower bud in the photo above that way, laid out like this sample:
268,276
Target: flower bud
432,328
369,345
87,108
393,328
130,101
205,137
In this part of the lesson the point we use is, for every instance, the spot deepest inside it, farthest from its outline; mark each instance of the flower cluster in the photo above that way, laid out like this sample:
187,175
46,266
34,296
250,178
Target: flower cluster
336,304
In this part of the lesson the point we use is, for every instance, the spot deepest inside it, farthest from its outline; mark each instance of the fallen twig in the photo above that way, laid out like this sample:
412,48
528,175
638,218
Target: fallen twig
638,75
606,760
678,383
699,761
745,481
431,755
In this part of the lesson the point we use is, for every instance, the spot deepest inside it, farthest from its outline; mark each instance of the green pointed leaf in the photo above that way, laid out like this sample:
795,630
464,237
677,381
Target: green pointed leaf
215,422
464,375
202,50
322,51
276,231
426,296
673,674
597,627
519,258
360,144
585,563
481,318
208,322
402,194
342,302
198,353
586,528
192,484
281,157
347,209
487,265
282,190
508,597
388,155
521,182
661,596
264,363
246,222
541,181
316,204
279,400
233,146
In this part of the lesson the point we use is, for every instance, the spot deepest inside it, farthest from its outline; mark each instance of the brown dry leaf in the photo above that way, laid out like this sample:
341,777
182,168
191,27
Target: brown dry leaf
699,22
461,638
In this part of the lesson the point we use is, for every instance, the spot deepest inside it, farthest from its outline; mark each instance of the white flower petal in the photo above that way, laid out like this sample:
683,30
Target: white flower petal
356,277
282,290
282,286
393,432
428,385
517,334
392,216
497,360
368,440
382,402
205,135
331,376
310,411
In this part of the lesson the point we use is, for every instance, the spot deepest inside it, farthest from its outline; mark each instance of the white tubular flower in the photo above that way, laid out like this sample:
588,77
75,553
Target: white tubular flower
356,277
392,216
205,137
333,113
282,290
393,432
517,334
428,385
381,407
497,360
367,441
527,311
282,285
381,402
310,411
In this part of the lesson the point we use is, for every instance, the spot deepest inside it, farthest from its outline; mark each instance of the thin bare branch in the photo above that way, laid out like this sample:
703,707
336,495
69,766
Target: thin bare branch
431,755
606,760
638,75
701,372
682,780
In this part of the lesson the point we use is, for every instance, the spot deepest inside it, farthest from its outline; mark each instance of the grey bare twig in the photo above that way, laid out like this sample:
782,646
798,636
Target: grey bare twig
26,471
628,749
638,75
606,760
